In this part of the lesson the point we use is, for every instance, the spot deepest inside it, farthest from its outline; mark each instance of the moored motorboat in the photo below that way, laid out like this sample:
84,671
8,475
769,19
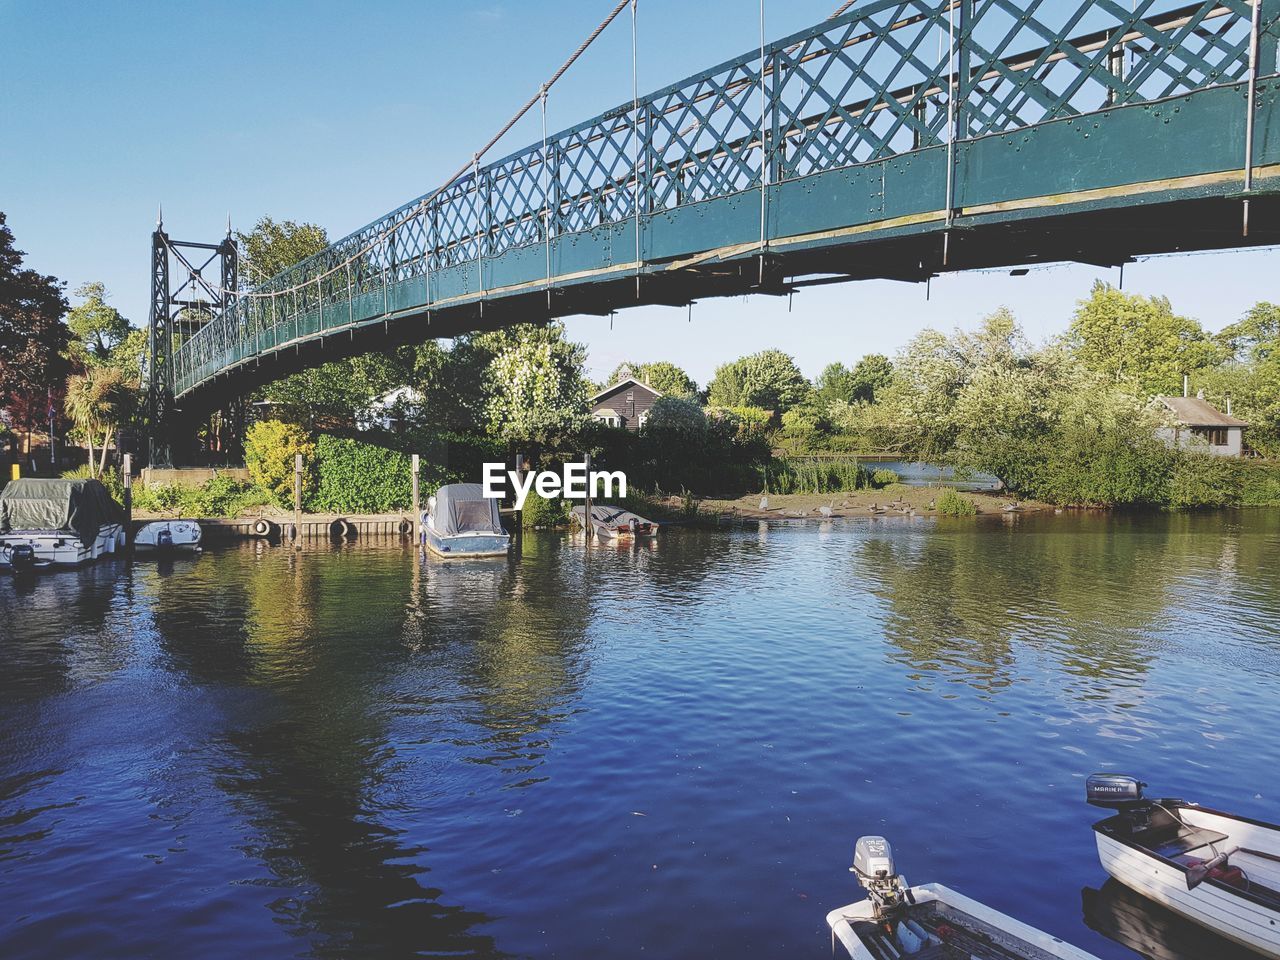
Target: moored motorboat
614,523
461,522
1220,870
167,536
930,921
57,523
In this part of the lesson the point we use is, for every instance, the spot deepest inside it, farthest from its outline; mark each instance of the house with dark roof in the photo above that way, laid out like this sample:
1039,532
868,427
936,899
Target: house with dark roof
1195,423
625,404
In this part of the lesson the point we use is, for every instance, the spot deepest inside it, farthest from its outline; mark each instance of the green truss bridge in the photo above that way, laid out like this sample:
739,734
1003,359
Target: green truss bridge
898,140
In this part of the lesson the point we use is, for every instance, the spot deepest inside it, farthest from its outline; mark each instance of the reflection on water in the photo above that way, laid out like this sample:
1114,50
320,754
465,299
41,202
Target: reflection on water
355,751
1150,930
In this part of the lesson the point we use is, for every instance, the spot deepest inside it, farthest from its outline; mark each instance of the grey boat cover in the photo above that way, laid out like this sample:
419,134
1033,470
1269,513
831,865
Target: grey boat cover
79,506
463,508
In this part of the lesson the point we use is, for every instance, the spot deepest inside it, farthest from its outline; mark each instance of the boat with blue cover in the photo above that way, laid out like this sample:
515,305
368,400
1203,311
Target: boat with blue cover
460,521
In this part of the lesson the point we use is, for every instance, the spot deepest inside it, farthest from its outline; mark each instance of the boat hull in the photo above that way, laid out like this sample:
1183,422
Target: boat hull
63,549
183,536
466,545
1019,938
1213,905
609,523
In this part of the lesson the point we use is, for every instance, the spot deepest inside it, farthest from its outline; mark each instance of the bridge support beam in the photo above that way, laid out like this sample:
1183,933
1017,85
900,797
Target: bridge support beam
183,300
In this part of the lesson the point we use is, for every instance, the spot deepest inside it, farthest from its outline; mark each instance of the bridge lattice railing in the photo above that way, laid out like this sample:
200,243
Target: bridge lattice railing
886,78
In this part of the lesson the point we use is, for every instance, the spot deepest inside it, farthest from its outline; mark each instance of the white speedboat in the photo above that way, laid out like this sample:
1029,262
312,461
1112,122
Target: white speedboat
614,523
167,536
1220,870
57,523
930,921
461,522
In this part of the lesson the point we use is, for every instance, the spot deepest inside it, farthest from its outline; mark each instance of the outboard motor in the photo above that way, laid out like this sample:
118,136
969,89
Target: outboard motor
1114,791
164,539
21,556
874,868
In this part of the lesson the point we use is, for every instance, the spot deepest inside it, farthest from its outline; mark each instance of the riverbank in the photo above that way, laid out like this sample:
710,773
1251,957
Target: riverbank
894,500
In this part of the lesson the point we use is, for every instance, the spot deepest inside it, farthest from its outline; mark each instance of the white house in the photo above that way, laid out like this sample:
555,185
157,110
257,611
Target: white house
1193,422
388,410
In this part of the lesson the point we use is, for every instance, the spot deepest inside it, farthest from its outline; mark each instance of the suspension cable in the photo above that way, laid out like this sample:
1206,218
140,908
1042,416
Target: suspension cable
423,204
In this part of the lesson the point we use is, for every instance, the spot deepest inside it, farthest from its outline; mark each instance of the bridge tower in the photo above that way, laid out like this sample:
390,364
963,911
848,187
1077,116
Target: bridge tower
192,284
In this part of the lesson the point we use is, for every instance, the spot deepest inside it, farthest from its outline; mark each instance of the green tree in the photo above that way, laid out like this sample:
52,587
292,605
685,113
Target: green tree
663,376
929,372
1139,340
331,394
33,335
768,379
872,374
1256,335
98,329
270,447
837,383
98,401
538,391
272,247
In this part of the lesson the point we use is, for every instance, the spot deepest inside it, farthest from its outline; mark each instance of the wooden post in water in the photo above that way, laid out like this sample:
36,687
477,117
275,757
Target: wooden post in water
587,529
297,498
519,514
417,505
126,476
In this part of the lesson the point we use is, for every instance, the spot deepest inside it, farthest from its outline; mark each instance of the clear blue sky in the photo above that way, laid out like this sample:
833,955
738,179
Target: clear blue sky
337,112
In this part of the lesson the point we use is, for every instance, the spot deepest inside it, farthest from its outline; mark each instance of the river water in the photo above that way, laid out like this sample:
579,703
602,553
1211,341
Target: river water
658,751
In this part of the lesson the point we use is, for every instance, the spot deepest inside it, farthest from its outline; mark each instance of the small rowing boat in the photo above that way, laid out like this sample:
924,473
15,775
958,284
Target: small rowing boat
1220,870
167,536
614,523
930,921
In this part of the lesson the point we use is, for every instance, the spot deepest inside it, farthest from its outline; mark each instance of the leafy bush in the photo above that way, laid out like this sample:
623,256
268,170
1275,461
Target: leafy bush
358,477
815,476
541,512
1204,480
223,496
883,478
110,478
220,496
952,504
1260,484
269,450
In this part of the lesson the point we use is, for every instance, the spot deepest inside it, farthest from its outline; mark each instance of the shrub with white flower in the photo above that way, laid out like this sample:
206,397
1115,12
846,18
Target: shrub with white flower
538,390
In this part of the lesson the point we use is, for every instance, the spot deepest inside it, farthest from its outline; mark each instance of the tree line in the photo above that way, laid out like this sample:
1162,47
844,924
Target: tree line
1070,420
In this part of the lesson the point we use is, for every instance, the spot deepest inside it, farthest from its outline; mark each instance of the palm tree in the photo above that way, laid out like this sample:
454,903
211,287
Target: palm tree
97,402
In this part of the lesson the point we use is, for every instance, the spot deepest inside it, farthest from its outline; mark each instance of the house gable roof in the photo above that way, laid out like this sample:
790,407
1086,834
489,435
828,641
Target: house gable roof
1196,412
622,383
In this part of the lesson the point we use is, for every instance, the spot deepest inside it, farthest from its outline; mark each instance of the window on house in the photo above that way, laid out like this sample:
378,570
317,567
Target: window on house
644,417
1217,436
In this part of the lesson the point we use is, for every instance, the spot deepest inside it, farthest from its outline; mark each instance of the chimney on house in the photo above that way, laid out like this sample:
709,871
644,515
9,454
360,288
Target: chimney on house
1228,404
1186,385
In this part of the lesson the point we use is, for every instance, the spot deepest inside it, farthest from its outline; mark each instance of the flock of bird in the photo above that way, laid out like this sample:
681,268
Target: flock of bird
899,505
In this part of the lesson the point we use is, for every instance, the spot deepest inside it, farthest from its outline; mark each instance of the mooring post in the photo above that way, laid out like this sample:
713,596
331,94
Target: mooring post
126,476
417,506
587,528
520,512
297,497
